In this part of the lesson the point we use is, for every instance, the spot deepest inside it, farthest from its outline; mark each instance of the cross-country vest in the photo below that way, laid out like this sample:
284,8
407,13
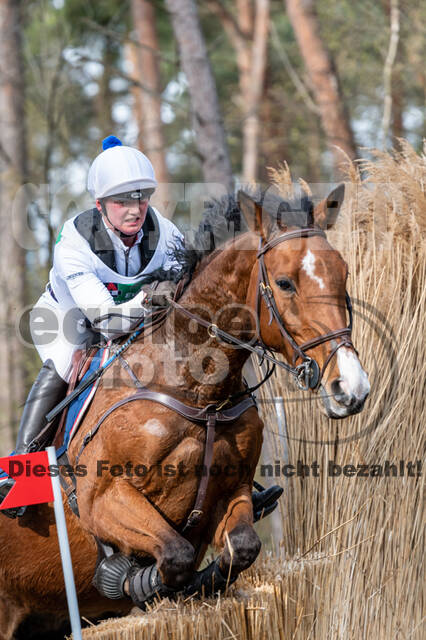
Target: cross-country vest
84,246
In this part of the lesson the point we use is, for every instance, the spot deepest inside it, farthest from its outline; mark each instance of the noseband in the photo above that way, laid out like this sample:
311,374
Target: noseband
308,374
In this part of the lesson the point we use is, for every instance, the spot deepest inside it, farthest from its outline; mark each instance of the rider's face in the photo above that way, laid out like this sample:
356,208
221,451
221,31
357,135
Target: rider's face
126,215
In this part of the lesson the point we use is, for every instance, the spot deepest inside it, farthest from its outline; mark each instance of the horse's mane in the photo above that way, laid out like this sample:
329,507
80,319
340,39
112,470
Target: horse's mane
223,220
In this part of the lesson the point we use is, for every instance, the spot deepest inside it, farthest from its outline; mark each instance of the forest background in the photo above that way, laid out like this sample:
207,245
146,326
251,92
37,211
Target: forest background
214,91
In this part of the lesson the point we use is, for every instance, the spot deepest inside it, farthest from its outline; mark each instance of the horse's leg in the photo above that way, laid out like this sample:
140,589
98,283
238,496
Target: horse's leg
235,535
11,616
124,517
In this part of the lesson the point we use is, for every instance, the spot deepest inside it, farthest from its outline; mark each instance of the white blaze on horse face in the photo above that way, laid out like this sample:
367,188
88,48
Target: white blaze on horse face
308,264
155,428
353,379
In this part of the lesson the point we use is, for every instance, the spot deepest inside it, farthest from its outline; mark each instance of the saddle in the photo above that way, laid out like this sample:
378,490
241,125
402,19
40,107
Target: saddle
81,362
56,432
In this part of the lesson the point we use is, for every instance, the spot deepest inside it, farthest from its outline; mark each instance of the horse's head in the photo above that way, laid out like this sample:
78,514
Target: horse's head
298,288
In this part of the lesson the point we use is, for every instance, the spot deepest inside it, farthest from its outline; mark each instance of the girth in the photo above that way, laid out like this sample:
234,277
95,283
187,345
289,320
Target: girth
210,416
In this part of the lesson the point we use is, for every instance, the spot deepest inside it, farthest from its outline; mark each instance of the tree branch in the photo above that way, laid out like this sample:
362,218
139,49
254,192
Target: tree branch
226,17
298,83
124,37
131,80
4,155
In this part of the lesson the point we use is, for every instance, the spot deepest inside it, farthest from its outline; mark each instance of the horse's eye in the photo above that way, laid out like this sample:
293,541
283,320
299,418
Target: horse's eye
285,284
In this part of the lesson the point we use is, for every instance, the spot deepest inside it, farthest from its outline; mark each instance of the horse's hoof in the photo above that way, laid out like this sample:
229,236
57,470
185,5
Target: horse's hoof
209,581
176,565
241,549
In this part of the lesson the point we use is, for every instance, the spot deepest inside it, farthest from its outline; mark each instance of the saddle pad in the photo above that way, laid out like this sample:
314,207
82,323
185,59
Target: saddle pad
79,406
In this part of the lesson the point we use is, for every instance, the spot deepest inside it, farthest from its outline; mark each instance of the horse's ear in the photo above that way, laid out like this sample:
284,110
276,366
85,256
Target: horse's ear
257,219
326,212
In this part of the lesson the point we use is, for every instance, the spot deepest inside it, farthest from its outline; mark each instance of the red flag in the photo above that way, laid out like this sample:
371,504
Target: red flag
33,483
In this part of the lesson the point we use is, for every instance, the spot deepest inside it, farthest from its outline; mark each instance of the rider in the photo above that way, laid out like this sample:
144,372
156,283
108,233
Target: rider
102,258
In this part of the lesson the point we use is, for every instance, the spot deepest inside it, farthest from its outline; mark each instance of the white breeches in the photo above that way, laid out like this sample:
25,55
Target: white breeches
57,334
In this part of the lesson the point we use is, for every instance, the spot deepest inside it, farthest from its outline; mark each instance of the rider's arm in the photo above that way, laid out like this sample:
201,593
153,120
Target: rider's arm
114,319
92,297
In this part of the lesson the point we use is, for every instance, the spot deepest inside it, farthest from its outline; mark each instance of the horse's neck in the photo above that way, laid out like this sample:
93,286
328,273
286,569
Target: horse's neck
225,278
194,366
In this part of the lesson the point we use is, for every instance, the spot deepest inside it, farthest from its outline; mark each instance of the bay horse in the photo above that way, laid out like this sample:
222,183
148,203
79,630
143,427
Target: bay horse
261,259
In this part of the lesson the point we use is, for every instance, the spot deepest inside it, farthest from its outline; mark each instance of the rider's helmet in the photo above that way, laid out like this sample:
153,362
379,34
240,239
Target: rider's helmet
119,169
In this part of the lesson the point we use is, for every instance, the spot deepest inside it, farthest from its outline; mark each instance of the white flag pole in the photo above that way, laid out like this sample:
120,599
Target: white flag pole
64,548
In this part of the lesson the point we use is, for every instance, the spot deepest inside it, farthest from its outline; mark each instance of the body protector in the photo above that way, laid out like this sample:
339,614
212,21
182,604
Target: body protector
85,272
88,280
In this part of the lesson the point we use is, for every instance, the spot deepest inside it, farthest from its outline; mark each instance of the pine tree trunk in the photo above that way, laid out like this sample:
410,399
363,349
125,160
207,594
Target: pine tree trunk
254,91
12,255
207,120
104,99
397,106
243,43
395,88
131,54
146,69
248,33
273,146
323,77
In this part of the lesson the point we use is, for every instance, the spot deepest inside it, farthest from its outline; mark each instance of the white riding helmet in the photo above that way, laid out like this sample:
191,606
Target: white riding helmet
119,169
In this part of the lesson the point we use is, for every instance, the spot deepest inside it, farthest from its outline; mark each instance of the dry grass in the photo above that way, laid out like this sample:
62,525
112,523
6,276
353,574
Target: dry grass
362,575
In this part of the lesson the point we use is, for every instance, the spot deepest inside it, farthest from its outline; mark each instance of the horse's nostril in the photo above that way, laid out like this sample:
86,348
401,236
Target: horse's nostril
340,394
336,389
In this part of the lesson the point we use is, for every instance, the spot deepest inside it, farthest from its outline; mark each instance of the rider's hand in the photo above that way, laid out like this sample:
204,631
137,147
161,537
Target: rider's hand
162,293
146,292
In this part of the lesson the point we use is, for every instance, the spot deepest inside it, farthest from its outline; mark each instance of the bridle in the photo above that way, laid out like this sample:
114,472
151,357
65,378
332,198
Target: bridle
308,374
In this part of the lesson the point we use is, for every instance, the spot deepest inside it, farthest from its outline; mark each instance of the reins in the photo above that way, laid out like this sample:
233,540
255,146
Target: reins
157,320
308,374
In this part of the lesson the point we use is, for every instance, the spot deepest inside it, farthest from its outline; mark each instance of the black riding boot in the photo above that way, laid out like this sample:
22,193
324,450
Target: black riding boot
264,500
48,389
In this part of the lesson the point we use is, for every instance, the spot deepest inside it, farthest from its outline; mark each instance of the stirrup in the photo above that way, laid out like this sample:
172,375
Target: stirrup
11,512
